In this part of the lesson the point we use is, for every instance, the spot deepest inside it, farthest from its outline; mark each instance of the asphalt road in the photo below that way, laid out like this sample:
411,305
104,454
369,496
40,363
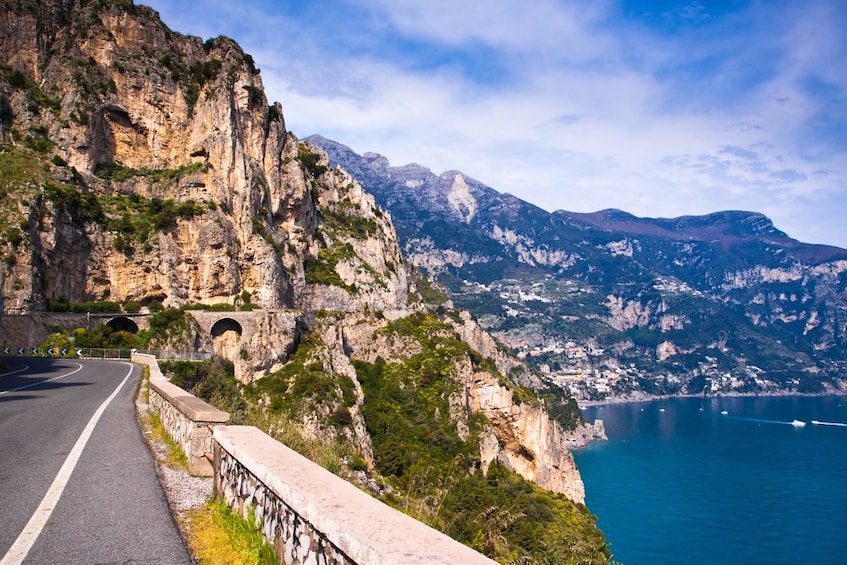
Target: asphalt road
63,499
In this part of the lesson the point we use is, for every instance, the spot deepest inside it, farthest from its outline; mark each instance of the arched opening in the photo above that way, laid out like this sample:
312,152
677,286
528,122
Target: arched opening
123,324
226,335
226,325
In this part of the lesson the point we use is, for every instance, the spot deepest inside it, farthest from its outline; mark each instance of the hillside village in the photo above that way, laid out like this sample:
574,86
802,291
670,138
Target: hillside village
591,373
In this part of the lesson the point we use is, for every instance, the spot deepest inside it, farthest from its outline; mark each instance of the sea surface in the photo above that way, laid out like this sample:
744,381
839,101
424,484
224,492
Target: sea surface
679,481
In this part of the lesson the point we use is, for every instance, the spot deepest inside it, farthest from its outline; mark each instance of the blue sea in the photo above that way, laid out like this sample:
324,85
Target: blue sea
680,481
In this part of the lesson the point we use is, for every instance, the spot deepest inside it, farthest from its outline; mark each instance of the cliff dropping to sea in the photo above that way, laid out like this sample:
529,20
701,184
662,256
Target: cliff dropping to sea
146,169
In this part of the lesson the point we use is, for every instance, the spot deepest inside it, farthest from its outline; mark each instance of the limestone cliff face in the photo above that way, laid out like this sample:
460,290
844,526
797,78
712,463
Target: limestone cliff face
481,341
141,165
527,440
519,434
129,109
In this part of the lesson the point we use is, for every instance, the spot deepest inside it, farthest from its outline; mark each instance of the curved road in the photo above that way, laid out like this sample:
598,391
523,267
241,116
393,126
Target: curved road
77,481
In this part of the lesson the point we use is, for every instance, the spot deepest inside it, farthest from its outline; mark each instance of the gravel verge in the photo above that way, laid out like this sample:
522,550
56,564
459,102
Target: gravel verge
183,491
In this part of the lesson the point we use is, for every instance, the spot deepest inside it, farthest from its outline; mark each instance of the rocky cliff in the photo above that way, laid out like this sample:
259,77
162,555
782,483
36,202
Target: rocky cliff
140,121
146,170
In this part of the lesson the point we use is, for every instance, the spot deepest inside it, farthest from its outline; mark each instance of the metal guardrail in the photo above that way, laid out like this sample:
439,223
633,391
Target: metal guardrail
182,355
102,353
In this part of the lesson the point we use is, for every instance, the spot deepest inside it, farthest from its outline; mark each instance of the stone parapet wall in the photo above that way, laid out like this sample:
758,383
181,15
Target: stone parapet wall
186,418
314,517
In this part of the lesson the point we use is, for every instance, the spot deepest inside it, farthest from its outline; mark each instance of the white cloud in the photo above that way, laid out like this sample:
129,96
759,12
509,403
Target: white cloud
571,105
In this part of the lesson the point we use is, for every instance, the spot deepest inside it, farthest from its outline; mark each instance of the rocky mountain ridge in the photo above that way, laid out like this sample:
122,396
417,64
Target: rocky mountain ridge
141,169
611,304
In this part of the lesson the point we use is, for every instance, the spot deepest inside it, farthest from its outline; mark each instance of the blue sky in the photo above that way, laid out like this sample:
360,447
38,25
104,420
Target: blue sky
661,108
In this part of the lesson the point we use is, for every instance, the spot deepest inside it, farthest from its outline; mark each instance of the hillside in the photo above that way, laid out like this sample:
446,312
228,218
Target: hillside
143,170
611,304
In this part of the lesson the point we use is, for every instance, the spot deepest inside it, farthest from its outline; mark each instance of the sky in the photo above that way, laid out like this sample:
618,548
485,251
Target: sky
660,108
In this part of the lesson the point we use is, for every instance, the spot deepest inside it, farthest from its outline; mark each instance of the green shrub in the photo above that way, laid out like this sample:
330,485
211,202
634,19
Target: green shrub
95,306
39,144
310,161
562,408
103,336
212,381
501,514
14,236
83,207
321,269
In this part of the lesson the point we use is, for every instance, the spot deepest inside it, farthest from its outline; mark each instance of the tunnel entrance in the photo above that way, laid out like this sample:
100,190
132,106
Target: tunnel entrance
123,324
226,325
226,335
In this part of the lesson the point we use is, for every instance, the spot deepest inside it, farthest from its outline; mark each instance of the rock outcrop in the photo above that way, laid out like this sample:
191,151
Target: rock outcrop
134,115
527,440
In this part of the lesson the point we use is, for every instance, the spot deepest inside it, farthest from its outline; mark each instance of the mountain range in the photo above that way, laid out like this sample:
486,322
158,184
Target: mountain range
610,304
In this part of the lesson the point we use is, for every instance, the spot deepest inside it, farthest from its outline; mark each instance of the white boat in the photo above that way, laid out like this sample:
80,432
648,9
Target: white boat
798,423
724,412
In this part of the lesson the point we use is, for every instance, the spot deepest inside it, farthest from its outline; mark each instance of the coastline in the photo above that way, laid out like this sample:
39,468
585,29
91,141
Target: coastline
635,399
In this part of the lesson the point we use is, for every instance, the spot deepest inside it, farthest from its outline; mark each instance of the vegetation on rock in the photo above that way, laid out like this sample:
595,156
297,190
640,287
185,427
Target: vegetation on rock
322,269
426,468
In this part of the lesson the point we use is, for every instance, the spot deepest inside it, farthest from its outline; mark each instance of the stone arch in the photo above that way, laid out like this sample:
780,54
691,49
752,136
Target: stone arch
226,325
122,324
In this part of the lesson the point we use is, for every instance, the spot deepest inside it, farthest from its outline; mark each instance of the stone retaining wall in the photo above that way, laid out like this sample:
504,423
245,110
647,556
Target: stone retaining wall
314,517
186,418
30,330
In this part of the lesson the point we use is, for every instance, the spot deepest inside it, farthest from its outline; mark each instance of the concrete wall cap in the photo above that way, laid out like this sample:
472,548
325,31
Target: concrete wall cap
193,408
364,528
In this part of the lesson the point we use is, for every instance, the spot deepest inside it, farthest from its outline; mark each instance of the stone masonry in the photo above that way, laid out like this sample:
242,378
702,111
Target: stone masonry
314,517
187,419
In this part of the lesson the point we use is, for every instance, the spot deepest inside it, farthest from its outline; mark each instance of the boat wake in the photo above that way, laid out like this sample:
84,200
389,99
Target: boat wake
795,423
838,424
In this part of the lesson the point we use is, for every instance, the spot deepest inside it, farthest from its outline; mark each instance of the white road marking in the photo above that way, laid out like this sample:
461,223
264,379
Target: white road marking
78,368
26,367
19,550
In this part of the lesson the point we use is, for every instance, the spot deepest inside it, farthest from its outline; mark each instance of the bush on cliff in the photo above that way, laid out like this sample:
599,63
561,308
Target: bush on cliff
212,381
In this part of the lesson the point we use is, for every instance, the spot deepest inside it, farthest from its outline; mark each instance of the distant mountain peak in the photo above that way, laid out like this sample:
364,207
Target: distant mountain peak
377,161
460,197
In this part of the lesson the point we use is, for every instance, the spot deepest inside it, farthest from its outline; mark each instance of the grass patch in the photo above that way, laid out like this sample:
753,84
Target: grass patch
174,457
118,172
217,535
